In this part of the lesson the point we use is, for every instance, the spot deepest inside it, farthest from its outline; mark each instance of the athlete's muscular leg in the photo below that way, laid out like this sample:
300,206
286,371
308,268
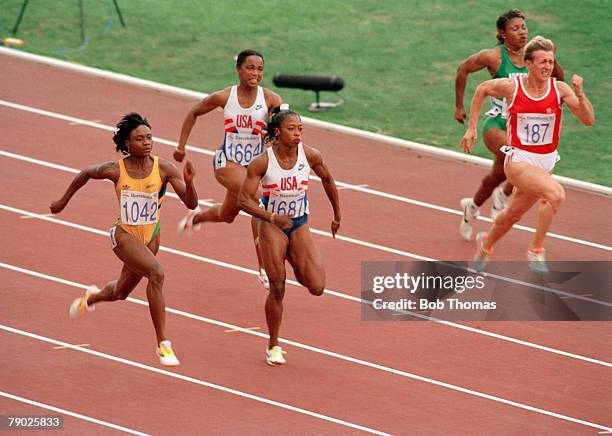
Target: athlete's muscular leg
231,177
493,138
139,261
306,260
274,245
542,185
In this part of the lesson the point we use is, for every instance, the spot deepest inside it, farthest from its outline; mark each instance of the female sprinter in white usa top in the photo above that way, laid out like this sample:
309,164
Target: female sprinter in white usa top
534,126
283,216
245,112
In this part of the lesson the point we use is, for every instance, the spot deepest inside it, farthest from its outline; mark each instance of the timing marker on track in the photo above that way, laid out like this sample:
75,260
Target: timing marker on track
241,329
566,297
63,347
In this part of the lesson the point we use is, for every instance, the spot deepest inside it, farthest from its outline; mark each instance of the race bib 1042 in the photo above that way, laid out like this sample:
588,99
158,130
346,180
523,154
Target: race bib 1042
535,129
139,208
242,148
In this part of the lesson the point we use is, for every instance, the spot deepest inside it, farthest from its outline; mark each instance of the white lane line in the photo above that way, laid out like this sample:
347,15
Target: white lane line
207,202
344,186
195,380
29,217
359,188
331,354
327,291
73,414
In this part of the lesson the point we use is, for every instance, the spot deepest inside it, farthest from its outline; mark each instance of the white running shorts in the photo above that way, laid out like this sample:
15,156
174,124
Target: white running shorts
545,161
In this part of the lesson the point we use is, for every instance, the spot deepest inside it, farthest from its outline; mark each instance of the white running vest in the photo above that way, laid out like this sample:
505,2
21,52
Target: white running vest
243,127
285,192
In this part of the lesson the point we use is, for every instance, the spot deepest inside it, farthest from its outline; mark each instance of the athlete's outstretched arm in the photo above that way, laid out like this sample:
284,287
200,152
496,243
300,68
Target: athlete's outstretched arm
577,101
318,166
106,170
501,88
476,62
184,188
210,102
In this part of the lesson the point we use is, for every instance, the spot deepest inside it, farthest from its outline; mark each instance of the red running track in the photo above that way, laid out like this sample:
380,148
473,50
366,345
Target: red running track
343,375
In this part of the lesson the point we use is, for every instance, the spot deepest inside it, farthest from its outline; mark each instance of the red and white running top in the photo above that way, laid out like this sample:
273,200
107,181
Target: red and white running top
534,124
285,192
243,127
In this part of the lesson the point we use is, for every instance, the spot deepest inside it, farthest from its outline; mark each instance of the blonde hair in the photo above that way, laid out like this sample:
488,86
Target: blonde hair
537,43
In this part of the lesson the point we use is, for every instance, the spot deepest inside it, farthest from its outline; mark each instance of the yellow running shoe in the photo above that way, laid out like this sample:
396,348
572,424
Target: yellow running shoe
166,355
274,356
80,306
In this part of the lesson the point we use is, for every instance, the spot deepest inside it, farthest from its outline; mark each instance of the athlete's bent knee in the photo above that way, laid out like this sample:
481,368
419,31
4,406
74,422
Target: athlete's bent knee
277,289
556,197
156,275
228,218
316,290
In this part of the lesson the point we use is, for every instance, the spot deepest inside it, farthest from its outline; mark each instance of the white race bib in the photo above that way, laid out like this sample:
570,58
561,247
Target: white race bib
139,208
290,203
242,148
535,129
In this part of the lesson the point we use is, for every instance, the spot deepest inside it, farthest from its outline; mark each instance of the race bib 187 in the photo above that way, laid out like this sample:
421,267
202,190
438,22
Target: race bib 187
535,129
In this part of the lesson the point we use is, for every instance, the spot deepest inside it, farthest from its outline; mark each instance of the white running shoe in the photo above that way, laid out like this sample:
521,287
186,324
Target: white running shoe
499,203
274,356
80,306
470,211
263,278
166,355
186,226
536,257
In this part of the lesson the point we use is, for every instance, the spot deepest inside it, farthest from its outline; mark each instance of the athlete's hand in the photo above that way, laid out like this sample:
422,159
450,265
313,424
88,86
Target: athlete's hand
282,221
57,206
468,140
577,84
189,172
179,155
335,225
460,114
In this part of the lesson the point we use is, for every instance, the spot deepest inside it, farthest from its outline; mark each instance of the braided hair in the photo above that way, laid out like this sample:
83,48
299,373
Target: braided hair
503,20
276,116
123,129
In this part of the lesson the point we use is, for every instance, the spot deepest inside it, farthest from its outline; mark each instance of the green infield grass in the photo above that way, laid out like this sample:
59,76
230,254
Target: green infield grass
397,57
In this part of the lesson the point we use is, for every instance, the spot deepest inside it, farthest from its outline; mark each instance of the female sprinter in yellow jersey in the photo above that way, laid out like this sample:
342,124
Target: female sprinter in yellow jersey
140,183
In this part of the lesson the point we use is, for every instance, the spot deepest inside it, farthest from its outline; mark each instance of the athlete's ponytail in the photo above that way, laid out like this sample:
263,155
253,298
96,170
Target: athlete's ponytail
276,116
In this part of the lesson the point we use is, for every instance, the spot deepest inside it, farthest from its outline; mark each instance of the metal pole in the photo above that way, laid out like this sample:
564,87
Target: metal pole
82,21
23,8
119,13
